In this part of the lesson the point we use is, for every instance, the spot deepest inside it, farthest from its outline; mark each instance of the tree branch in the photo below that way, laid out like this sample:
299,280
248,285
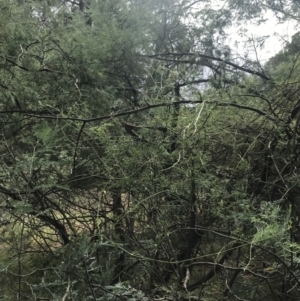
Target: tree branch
158,105
213,58
216,269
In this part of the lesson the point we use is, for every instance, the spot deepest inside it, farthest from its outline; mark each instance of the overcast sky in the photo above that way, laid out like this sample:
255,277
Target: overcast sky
278,34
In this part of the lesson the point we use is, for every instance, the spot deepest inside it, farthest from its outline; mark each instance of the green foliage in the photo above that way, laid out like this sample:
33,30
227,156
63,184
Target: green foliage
139,159
123,291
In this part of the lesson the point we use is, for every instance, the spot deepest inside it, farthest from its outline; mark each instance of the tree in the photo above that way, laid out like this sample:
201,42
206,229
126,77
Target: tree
141,159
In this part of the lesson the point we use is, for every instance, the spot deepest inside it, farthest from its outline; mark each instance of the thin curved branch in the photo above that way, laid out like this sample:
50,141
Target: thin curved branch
204,56
215,269
158,105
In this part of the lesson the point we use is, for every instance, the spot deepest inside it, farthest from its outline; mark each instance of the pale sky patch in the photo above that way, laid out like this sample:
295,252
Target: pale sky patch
276,36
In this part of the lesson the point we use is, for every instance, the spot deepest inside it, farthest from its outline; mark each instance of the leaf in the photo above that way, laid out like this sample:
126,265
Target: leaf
45,133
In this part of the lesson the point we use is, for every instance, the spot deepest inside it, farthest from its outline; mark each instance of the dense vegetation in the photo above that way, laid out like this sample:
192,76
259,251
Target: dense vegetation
142,158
